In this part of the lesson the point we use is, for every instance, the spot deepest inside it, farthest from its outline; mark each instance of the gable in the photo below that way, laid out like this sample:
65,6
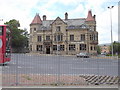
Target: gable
58,21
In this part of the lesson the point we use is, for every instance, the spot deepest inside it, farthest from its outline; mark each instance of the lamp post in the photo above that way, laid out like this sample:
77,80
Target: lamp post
111,28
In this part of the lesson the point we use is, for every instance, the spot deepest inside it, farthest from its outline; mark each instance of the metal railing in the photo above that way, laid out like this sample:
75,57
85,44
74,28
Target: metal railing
59,70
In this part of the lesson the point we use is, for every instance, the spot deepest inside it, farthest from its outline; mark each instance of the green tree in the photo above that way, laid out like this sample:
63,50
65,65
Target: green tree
116,47
98,50
19,36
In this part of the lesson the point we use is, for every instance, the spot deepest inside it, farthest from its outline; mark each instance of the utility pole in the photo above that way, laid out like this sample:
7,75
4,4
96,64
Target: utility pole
111,28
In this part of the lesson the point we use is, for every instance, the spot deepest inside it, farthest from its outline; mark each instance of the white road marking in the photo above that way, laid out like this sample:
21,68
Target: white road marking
19,67
25,67
6,66
87,68
13,63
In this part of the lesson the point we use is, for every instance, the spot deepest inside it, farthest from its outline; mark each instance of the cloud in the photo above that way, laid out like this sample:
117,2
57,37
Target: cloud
104,25
99,8
17,9
68,2
25,10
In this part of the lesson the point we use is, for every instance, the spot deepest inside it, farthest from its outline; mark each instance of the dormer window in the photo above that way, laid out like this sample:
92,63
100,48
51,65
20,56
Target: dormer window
71,27
91,28
83,26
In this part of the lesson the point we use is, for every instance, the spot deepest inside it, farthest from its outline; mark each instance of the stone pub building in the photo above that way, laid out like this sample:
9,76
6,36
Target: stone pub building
63,36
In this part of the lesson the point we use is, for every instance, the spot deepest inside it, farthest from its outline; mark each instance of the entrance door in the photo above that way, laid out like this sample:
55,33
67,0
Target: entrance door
47,50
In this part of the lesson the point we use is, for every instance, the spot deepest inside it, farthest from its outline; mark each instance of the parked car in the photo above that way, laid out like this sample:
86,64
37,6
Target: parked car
103,53
83,55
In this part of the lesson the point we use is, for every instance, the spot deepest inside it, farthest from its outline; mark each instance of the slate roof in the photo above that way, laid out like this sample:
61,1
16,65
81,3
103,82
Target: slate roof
71,23
46,25
75,22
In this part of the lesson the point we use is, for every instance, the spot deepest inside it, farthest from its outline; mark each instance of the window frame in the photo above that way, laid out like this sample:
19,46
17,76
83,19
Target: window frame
72,47
58,37
47,37
71,37
83,47
58,28
54,47
39,38
39,48
82,37
62,47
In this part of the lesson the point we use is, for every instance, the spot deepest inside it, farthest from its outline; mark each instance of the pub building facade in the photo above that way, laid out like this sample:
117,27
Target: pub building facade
63,36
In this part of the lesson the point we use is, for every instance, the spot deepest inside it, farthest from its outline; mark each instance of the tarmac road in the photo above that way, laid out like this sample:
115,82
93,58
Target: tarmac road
51,64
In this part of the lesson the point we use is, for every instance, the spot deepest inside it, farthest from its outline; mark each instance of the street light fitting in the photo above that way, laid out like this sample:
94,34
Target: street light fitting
110,7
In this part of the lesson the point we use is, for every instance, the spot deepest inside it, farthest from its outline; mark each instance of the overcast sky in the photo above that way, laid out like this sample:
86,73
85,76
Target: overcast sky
25,10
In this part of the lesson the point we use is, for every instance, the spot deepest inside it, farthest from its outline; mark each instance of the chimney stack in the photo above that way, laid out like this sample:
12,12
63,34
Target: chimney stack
44,17
66,16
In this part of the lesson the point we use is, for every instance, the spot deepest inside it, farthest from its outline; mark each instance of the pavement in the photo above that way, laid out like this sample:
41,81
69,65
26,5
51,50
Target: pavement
58,80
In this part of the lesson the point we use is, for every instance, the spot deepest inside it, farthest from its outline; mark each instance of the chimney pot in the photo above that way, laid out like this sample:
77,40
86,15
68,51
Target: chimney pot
44,17
66,16
94,16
